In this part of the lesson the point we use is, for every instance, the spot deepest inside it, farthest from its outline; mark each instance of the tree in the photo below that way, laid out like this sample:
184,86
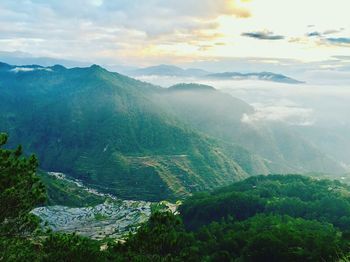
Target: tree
20,191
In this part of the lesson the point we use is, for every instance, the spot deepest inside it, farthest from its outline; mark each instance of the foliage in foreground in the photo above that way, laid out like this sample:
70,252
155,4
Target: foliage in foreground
275,218
20,190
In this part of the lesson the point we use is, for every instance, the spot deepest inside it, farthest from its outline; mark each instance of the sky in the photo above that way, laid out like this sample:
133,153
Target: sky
212,34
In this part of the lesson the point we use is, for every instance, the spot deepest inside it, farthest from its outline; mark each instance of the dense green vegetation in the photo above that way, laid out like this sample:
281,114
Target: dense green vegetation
20,238
264,218
66,193
260,238
20,190
293,195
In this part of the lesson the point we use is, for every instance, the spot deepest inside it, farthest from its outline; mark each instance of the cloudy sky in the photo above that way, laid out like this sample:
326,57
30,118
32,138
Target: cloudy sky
193,32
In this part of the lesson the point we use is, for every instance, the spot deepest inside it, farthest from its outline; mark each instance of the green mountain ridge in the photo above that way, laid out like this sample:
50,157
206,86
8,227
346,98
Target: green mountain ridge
139,141
105,129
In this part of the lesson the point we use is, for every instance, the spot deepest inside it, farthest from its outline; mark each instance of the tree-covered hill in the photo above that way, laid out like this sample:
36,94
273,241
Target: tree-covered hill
264,218
107,130
292,195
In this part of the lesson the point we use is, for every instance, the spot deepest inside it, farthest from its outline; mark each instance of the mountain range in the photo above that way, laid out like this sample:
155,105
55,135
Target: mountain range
174,71
264,76
139,141
105,129
168,70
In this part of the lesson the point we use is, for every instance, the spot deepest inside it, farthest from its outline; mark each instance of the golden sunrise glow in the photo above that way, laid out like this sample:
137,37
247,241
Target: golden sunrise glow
291,20
305,30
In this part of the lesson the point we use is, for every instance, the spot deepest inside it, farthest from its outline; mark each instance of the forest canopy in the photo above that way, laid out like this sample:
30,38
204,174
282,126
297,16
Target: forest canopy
263,218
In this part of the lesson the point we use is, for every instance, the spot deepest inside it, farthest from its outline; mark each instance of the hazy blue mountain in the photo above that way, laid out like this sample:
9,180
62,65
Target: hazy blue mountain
331,139
191,87
168,70
22,58
265,76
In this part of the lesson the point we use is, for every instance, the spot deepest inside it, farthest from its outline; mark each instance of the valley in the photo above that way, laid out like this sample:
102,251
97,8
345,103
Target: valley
111,218
108,220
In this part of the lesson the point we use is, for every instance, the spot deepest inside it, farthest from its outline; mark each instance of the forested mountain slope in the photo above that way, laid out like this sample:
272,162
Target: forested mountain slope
106,129
139,141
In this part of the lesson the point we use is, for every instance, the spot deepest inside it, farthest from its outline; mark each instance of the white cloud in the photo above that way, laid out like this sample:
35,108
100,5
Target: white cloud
110,30
29,69
289,114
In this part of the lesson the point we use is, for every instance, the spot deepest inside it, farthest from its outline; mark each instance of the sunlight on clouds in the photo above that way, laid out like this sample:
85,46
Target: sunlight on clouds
180,30
178,50
278,18
239,8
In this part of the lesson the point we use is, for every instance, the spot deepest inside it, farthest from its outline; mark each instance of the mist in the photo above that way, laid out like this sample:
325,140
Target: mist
318,110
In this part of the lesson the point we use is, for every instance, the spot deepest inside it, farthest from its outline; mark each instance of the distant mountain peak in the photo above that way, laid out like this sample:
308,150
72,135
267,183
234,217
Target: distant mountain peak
171,70
191,87
166,66
95,66
4,66
265,76
58,68
168,70
97,69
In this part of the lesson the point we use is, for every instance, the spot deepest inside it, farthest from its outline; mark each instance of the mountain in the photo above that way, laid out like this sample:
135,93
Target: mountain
168,70
107,130
138,141
275,148
191,87
22,58
265,76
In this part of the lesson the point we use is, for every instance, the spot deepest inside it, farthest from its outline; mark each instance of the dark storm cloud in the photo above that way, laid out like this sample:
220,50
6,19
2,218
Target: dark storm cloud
263,35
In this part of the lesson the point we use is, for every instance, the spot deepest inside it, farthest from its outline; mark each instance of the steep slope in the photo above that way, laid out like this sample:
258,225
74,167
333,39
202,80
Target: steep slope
281,150
106,129
64,191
